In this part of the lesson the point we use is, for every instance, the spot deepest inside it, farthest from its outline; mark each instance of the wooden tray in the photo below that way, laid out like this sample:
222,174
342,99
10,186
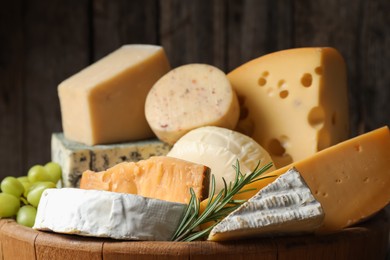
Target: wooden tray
368,240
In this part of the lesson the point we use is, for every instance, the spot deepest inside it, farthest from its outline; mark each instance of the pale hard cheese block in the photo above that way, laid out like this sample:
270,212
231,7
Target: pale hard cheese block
75,157
219,149
188,97
286,206
107,214
293,102
159,177
104,103
351,180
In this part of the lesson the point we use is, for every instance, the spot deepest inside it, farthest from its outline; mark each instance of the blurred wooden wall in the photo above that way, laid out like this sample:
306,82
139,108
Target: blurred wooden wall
43,42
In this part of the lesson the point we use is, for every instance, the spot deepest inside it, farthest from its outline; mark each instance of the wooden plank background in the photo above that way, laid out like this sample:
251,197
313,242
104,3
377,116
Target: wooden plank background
44,42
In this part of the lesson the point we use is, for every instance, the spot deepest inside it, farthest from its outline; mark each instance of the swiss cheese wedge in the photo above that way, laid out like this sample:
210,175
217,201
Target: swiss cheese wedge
294,102
158,177
351,180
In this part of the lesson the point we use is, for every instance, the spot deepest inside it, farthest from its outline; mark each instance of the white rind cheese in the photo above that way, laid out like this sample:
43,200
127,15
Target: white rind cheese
285,206
75,157
107,214
219,148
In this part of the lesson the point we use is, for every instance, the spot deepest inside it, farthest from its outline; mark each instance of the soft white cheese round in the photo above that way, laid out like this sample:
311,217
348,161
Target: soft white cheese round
219,148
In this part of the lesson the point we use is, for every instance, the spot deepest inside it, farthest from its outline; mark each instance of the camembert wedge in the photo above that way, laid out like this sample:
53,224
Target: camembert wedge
283,207
107,214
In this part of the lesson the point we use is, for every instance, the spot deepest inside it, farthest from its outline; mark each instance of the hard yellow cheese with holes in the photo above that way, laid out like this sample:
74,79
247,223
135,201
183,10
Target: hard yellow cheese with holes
293,102
104,103
351,180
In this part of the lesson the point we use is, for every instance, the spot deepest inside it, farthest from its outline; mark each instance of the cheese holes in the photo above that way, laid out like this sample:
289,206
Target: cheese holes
262,80
244,112
318,70
241,100
283,89
316,117
270,92
276,148
358,148
246,127
283,94
306,80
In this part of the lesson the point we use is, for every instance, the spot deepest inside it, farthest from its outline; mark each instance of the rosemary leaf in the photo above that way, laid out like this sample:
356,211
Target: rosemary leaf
218,206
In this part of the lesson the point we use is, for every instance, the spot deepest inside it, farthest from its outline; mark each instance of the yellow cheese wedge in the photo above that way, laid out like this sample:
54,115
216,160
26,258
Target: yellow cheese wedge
188,97
158,177
351,180
104,103
293,102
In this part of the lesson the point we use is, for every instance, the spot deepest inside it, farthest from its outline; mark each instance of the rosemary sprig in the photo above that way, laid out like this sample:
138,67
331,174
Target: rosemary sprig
217,207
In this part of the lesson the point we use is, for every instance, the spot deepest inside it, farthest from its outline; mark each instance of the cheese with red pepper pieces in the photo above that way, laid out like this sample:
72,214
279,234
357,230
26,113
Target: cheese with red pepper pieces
188,97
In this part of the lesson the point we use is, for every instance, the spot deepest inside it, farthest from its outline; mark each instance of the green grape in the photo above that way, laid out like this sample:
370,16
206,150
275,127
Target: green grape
38,173
24,201
36,190
42,184
54,171
26,186
12,186
26,216
23,179
9,205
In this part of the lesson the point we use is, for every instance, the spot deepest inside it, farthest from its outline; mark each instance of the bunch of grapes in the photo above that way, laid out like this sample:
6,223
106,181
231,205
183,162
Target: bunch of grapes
20,196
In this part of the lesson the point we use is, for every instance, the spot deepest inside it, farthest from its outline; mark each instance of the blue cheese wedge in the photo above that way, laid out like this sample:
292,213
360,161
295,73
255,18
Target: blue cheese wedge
107,214
285,206
75,157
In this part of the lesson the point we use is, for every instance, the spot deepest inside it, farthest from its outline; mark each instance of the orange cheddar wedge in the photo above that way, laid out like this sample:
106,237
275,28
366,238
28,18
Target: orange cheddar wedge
158,177
351,180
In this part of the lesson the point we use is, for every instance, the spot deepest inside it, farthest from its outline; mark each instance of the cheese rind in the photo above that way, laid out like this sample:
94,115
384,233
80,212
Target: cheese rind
104,103
159,177
75,157
351,180
293,102
107,214
188,97
283,207
219,149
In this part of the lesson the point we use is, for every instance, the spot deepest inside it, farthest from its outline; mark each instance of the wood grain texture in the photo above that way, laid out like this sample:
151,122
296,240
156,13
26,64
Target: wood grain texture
353,243
59,246
17,241
56,38
115,23
43,43
192,31
366,240
256,28
12,156
372,72
145,250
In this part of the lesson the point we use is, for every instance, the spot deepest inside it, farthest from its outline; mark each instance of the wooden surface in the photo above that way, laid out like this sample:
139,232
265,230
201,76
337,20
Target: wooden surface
44,42
367,240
